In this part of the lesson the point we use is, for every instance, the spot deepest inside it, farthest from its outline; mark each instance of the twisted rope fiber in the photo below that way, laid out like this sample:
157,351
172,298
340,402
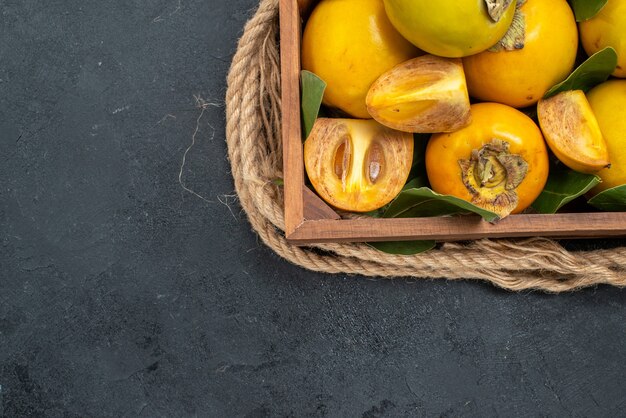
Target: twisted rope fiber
253,135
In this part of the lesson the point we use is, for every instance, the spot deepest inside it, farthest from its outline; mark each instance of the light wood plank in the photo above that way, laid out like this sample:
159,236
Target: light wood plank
315,208
293,165
459,228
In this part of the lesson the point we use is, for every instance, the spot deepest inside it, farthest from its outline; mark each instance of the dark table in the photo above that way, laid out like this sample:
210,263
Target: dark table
124,295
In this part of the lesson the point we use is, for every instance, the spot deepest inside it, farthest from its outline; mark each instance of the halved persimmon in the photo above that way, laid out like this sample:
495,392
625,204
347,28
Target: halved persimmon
572,131
423,95
357,165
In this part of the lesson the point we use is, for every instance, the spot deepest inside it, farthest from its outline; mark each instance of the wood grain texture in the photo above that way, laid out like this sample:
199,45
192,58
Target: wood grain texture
293,165
315,208
461,228
308,219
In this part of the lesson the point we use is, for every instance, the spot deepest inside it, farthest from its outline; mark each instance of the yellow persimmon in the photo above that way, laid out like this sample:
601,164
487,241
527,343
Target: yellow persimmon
520,77
572,131
499,162
357,165
451,28
349,44
608,102
607,28
423,95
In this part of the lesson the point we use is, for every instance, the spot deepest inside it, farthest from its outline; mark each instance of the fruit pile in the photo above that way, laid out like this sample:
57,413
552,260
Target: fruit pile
473,100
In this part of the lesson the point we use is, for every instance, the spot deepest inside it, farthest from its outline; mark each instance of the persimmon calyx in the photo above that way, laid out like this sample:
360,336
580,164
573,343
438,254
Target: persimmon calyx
492,175
496,8
515,37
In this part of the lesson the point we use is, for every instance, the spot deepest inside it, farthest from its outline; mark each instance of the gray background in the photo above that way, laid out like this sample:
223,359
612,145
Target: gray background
122,295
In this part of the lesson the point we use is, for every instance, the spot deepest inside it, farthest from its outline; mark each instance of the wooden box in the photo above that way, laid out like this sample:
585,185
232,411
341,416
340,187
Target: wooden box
308,219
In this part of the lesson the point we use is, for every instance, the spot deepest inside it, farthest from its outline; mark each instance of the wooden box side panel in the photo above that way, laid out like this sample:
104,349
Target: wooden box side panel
293,165
457,228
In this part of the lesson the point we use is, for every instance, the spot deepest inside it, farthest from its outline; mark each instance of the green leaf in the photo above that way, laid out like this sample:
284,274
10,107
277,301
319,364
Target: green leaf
586,9
312,93
424,202
610,200
403,247
563,186
416,183
590,73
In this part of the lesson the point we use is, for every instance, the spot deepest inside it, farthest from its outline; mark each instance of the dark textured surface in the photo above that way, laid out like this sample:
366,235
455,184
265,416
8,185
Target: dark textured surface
122,295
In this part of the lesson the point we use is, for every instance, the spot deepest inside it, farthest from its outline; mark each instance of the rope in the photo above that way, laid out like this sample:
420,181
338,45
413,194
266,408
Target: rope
253,124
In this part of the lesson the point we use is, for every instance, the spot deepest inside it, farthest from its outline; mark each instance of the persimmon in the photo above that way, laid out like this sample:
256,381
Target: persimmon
349,44
607,28
357,165
423,95
451,28
499,162
572,132
544,56
608,102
